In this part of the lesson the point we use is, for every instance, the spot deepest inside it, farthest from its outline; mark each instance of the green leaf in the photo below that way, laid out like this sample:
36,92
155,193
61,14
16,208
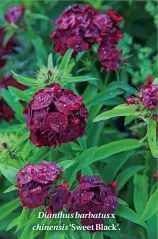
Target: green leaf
80,162
65,60
129,119
66,164
89,93
129,214
40,154
104,96
40,16
13,223
98,235
152,226
83,234
23,218
151,207
109,149
123,86
10,189
50,61
121,110
78,79
56,235
151,129
122,202
37,42
7,37
82,142
155,81
25,81
140,192
115,164
88,156
9,172
126,174
11,128
21,95
87,171
14,104
8,208
28,232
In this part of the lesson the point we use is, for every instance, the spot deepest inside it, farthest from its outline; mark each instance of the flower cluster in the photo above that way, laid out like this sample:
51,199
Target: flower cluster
14,14
92,195
38,184
55,116
35,181
5,111
147,97
8,49
79,27
149,94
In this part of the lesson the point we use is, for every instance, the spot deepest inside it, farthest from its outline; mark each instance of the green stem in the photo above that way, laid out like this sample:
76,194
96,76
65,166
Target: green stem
107,79
97,75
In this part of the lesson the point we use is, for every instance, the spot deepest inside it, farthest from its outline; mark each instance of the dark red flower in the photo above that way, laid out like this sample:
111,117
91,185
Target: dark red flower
5,111
55,116
59,199
147,98
155,175
92,195
35,180
14,14
33,196
109,56
149,94
80,27
40,173
8,49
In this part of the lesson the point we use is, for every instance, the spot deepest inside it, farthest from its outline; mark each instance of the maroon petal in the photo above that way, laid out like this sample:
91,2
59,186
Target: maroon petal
86,197
40,101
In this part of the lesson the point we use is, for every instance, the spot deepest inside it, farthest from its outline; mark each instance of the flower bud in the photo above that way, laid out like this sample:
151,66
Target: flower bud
130,101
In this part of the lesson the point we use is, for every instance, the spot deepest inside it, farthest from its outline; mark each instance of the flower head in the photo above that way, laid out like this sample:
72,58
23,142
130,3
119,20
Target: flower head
149,94
14,14
79,27
55,116
147,99
35,181
92,195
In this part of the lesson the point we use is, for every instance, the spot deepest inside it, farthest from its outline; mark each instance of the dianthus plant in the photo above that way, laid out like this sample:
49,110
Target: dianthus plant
62,156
